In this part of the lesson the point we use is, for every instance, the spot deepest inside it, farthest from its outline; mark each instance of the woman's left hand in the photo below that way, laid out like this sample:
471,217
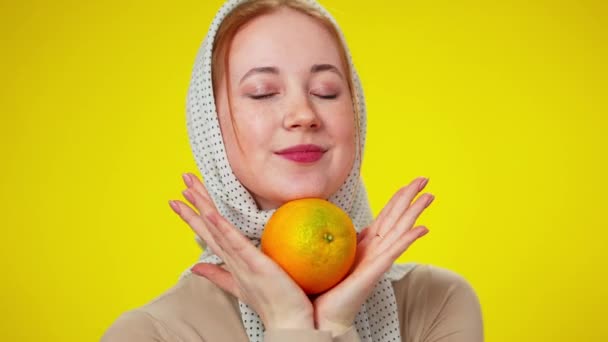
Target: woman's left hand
379,246
250,275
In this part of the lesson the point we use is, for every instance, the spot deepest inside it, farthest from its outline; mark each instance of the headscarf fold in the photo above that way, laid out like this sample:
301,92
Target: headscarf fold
377,319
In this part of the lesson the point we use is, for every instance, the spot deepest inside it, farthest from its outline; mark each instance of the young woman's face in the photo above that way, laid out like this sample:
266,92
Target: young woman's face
288,88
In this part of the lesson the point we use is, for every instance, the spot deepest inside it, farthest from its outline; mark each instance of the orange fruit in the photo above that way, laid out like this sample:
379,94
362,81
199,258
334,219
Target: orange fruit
313,240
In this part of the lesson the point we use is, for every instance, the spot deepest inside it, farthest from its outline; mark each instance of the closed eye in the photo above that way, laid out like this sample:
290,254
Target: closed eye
265,96
262,96
329,97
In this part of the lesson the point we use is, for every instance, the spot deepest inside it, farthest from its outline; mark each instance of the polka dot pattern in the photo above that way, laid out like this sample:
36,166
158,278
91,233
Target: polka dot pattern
377,319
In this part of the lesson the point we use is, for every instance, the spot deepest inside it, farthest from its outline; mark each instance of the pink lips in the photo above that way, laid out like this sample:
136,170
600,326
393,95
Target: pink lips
302,153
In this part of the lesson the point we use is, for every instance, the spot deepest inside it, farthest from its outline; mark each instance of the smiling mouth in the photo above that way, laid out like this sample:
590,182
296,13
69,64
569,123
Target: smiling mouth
303,157
305,153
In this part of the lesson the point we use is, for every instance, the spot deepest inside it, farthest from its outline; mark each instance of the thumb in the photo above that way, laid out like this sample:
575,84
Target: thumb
217,275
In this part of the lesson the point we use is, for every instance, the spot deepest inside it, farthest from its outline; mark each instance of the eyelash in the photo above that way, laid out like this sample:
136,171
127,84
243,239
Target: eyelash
265,96
328,97
261,97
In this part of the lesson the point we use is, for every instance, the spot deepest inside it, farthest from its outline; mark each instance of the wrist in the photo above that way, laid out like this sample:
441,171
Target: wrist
295,321
335,328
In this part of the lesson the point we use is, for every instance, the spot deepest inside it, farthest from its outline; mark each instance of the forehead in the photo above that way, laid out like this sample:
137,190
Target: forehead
287,39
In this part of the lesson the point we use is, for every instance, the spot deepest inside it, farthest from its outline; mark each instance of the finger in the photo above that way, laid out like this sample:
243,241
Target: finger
207,209
234,241
366,239
208,230
362,234
228,255
239,246
404,242
218,276
380,262
196,223
201,203
406,221
195,184
363,240
239,253
398,204
207,212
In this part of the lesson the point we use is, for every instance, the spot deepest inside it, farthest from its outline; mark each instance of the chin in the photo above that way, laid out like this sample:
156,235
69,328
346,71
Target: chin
290,193
284,190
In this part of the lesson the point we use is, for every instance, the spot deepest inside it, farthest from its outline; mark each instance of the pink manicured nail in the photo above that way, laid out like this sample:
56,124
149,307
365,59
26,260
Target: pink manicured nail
188,196
430,201
423,184
174,206
187,179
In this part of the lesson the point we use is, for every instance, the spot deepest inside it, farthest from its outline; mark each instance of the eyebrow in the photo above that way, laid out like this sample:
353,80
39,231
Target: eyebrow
325,67
274,70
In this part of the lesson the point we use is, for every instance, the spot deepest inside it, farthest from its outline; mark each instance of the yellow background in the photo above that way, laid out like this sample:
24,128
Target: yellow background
503,106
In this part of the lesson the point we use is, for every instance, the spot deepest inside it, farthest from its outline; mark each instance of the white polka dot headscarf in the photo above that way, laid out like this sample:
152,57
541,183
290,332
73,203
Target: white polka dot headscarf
377,319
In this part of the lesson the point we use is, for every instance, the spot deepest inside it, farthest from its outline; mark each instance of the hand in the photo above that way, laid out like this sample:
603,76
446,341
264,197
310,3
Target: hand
379,246
251,276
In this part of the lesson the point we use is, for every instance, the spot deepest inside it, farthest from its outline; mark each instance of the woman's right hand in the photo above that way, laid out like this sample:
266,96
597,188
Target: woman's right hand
252,276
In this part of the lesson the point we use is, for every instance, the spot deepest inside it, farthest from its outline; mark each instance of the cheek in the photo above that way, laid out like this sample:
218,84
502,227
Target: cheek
254,128
228,133
342,125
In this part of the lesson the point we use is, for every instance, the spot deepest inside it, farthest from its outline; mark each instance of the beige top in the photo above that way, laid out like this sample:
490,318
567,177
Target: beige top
435,305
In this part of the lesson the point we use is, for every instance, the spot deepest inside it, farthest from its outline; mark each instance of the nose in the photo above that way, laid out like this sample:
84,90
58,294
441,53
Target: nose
301,115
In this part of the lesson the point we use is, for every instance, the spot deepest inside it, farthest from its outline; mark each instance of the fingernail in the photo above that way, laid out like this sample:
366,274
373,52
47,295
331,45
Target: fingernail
174,206
430,201
188,196
423,233
423,184
187,179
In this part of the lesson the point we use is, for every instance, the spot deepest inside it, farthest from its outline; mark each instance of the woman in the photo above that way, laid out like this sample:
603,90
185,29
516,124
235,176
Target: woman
276,113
